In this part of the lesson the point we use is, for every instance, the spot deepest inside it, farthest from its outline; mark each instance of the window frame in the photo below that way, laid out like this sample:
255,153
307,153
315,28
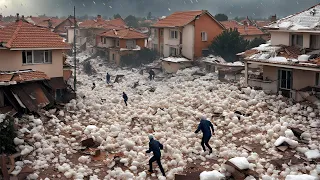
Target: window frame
155,46
295,40
46,60
204,36
117,43
175,50
175,34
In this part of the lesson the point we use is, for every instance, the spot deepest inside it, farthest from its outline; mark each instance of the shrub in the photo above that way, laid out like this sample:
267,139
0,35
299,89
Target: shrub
144,56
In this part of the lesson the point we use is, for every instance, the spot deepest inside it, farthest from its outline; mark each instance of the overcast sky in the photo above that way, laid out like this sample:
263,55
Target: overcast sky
252,8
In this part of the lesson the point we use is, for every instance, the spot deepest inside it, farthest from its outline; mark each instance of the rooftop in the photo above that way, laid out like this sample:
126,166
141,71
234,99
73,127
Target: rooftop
181,18
242,29
46,23
14,77
175,59
306,20
284,55
101,23
128,33
25,35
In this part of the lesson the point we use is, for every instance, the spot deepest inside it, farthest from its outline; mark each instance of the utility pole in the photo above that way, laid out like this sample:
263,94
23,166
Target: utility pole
74,49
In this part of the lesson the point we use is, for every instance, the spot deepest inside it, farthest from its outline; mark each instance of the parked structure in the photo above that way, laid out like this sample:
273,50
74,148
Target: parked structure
115,43
291,62
187,34
246,30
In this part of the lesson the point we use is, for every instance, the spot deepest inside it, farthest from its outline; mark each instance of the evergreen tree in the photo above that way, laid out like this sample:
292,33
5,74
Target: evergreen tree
228,44
116,16
221,17
149,15
7,135
132,21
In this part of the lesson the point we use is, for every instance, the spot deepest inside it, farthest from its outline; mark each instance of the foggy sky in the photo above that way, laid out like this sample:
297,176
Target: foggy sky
251,8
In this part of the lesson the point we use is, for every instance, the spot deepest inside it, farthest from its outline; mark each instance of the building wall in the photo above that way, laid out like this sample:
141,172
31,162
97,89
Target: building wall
168,42
70,35
170,67
188,41
280,38
61,27
141,43
212,28
12,61
306,40
117,56
155,38
302,79
271,73
251,37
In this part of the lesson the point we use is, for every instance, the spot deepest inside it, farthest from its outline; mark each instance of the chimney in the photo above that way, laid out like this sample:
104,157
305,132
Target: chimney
0,17
22,17
99,17
18,18
273,18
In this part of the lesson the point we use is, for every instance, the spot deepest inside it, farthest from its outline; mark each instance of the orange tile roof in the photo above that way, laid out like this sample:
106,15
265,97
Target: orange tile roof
262,23
54,22
38,20
178,19
108,24
250,30
22,76
127,33
25,35
4,24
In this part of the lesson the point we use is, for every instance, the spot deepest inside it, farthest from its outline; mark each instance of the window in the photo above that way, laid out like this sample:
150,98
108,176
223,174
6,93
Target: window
155,32
66,27
297,40
113,57
131,44
317,79
101,39
315,42
204,36
36,57
117,43
173,51
285,78
161,32
77,32
173,34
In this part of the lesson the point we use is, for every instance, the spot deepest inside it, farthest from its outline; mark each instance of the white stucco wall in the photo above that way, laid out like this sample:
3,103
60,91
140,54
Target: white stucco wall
280,38
70,34
188,41
168,42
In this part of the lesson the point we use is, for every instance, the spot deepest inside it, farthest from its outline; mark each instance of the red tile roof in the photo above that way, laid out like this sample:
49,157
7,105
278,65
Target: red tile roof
262,23
22,76
181,18
54,22
4,24
127,33
250,30
25,35
178,19
101,23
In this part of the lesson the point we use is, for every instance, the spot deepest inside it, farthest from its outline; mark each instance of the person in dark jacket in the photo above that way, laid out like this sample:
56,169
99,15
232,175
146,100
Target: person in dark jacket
205,126
93,86
108,78
151,74
125,98
155,146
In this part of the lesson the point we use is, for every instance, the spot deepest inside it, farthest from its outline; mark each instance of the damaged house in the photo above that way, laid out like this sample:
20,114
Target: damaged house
290,63
31,67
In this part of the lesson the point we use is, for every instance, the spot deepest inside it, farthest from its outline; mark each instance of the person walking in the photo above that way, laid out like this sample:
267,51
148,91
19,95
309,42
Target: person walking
205,126
155,147
93,86
151,74
108,78
125,98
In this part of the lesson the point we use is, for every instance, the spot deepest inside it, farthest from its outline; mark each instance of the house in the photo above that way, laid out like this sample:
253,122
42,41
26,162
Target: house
27,46
247,31
89,29
62,27
186,33
290,63
116,43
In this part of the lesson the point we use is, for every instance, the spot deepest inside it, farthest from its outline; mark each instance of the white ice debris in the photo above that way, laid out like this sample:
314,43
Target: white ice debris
300,177
18,141
84,159
240,162
312,154
211,175
282,139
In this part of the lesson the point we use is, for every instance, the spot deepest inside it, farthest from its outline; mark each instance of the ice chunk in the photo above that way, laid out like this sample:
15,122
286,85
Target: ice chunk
18,141
211,175
282,139
84,159
240,162
300,177
312,154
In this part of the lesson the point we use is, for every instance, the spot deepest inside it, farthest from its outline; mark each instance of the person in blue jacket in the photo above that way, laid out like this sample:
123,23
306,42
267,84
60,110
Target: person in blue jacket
205,126
155,146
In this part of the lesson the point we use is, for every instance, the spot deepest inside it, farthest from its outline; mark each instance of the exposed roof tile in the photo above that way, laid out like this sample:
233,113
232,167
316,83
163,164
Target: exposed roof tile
127,33
179,19
25,35
243,30
46,23
22,76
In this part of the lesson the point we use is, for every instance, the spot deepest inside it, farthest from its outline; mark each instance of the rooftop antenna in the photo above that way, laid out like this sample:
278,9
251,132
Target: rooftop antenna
74,49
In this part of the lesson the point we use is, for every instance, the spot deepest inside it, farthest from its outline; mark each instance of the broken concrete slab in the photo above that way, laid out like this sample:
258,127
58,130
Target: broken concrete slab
247,148
282,148
297,132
